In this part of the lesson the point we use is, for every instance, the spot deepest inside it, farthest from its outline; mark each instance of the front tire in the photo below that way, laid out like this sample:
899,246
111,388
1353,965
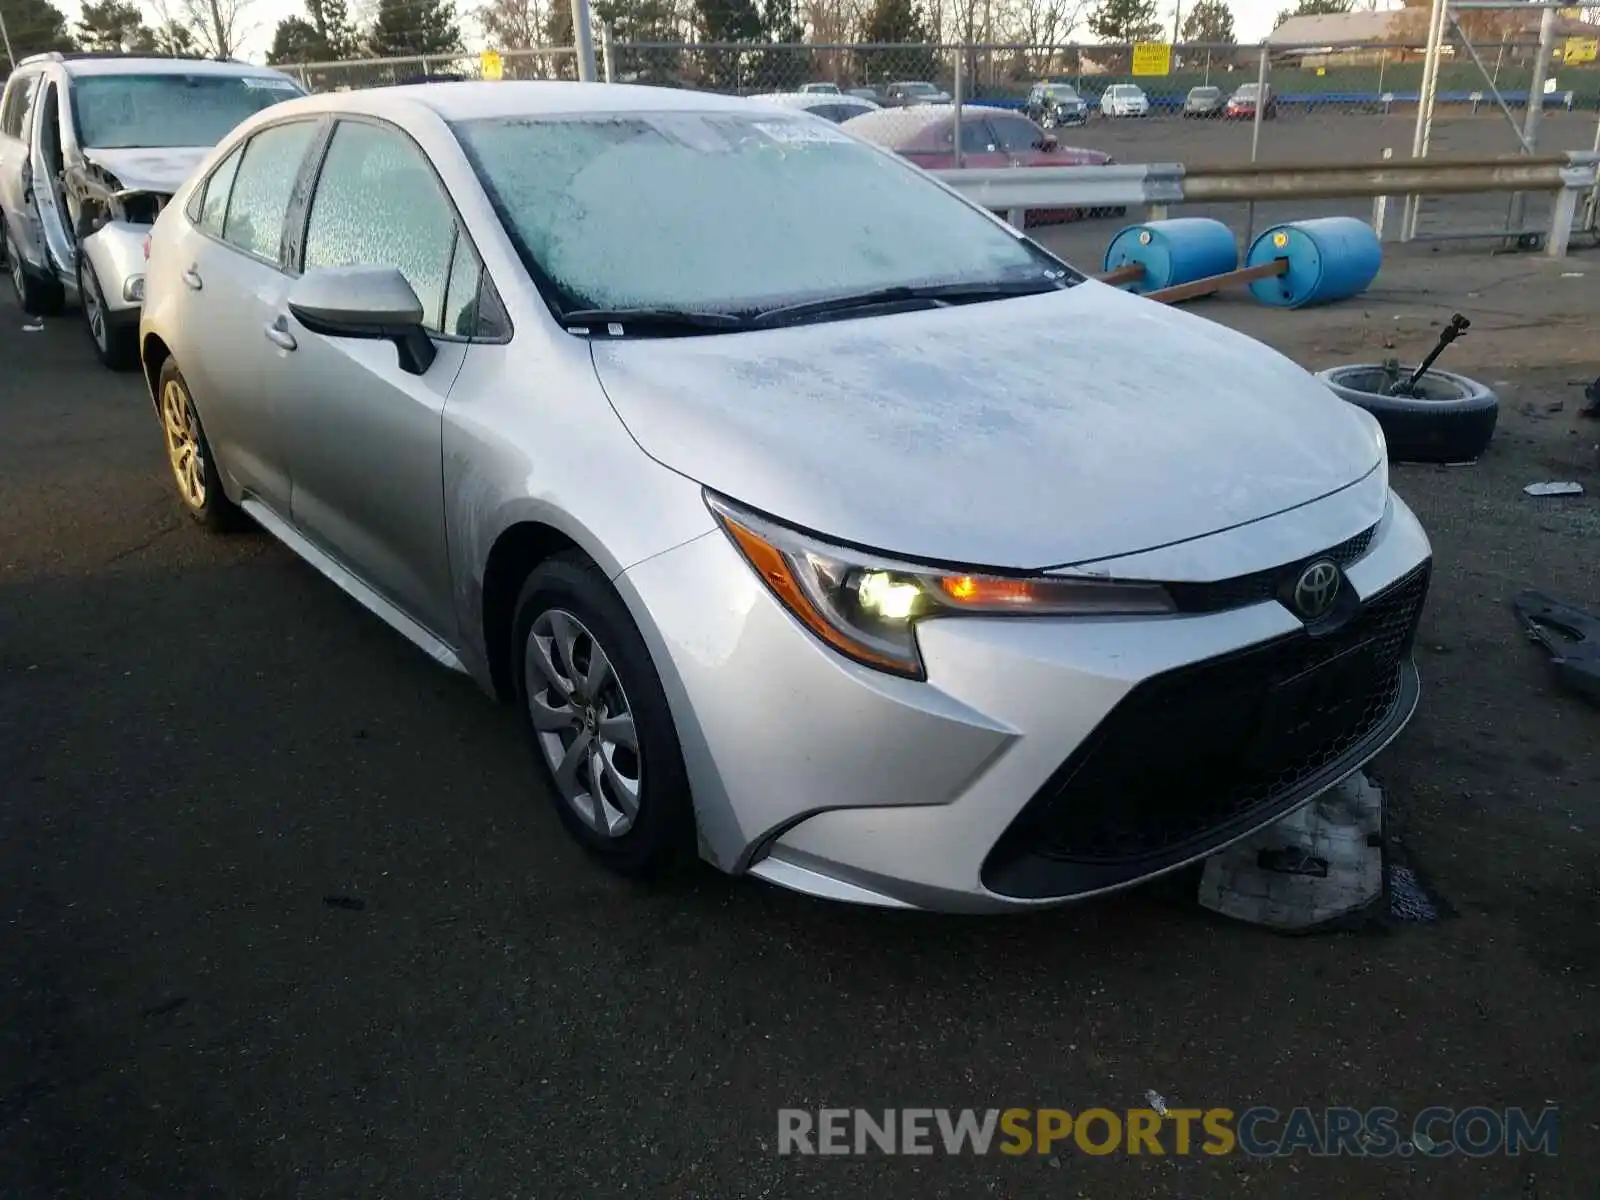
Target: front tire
37,295
598,720
194,469
116,343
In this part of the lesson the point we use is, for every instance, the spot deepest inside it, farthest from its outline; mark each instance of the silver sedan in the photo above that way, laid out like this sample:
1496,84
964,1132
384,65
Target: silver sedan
817,522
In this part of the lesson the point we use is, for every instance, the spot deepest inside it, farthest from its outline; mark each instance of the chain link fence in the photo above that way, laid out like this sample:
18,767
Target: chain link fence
1183,103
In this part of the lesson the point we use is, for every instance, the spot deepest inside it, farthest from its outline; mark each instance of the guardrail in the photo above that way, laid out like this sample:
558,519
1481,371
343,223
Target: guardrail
1158,185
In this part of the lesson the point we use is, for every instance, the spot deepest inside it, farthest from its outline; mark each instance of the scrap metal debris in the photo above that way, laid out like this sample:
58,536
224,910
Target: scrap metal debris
1320,863
1565,487
1154,1099
1591,393
1569,635
1408,899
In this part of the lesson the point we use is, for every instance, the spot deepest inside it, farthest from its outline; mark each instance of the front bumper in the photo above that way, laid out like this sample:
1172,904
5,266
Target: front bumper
116,251
1028,769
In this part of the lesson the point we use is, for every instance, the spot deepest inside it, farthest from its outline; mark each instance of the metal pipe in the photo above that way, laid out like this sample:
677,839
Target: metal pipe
1430,85
1530,125
1255,138
608,53
956,99
583,40
1493,90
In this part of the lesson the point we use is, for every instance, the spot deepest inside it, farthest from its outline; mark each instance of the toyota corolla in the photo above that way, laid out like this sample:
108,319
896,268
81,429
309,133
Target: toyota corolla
816,521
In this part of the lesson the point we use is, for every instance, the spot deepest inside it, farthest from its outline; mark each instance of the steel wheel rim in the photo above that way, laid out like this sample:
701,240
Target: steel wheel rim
584,723
93,309
183,444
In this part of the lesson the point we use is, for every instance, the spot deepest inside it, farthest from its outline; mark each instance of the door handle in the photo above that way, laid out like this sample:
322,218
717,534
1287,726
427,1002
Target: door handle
278,334
192,278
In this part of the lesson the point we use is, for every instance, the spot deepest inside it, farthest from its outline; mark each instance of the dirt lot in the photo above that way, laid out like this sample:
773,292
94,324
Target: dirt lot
284,916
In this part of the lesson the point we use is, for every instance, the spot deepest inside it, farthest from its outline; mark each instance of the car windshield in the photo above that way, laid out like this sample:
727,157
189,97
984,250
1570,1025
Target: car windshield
725,212
1061,92
919,89
116,112
1205,93
1246,91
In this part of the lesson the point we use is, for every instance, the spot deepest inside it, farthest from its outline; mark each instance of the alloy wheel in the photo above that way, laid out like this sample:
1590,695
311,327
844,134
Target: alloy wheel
583,722
183,444
94,309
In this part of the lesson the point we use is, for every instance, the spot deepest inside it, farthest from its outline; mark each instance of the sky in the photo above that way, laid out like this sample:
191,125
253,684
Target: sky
1252,20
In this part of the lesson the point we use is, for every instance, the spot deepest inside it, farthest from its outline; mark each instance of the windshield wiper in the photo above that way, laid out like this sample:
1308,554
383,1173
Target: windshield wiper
655,320
947,293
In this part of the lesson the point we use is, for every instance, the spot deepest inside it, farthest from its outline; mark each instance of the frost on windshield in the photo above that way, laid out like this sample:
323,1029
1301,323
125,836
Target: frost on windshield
725,212
115,112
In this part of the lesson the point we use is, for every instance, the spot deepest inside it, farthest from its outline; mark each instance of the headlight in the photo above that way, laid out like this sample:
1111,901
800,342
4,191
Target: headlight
867,607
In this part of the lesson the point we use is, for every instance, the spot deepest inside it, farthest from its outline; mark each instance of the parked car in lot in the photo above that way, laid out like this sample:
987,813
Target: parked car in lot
907,95
867,93
1055,104
825,89
831,106
1242,104
990,137
839,534
91,148
1124,100
1203,103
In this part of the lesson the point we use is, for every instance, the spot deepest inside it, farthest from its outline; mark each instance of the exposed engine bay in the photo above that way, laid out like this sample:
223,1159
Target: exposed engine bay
95,196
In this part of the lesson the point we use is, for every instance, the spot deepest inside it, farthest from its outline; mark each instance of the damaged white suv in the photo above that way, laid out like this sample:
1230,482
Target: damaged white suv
91,149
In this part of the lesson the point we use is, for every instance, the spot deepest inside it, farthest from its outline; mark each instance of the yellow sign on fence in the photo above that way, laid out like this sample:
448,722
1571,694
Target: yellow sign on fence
492,66
1581,50
1152,58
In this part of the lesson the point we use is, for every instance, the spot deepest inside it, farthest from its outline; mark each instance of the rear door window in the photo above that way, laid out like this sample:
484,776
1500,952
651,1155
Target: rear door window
263,183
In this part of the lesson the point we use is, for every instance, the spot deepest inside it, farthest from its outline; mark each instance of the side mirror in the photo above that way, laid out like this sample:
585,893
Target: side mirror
365,302
1048,143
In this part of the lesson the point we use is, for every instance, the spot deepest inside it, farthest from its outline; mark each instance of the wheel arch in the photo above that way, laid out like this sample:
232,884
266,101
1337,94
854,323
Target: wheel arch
518,549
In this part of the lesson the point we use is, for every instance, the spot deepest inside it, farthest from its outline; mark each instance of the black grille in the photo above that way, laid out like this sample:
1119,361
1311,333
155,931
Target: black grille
1244,590
1195,755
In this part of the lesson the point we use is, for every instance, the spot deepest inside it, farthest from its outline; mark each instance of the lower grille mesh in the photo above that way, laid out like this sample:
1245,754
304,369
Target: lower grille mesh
1190,754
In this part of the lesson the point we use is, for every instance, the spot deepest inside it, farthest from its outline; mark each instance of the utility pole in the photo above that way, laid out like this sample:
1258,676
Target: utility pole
583,41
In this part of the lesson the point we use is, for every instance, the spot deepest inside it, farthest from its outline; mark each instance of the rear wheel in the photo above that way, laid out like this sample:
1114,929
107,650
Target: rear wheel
194,471
37,295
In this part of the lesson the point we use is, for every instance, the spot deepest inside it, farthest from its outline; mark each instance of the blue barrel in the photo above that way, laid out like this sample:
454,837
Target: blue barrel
1174,252
1330,258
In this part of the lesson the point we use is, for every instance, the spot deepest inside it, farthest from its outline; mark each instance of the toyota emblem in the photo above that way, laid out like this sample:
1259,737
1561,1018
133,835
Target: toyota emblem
1316,589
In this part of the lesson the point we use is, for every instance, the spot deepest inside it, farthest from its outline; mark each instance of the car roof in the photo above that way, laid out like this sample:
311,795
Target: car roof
474,99
804,99
129,65
897,127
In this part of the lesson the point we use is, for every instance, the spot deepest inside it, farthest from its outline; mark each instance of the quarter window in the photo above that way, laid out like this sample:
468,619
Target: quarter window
262,184
378,204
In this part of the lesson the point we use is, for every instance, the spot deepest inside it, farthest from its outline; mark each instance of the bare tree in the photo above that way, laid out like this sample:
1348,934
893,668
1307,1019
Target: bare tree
218,27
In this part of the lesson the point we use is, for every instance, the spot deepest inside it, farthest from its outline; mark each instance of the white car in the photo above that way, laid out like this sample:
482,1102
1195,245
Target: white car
1124,100
91,148
815,520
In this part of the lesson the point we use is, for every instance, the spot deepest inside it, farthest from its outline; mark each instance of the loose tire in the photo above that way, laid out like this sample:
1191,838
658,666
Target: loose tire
1452,422
116,342
194,470
37,295
598,721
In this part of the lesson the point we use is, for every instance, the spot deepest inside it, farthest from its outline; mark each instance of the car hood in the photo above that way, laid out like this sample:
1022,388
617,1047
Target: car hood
1026,433
140,169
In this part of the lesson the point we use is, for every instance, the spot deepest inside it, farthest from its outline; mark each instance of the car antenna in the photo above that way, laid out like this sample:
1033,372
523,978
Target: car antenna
1457,327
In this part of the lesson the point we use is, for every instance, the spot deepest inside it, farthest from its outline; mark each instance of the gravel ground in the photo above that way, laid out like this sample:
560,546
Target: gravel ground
284,914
